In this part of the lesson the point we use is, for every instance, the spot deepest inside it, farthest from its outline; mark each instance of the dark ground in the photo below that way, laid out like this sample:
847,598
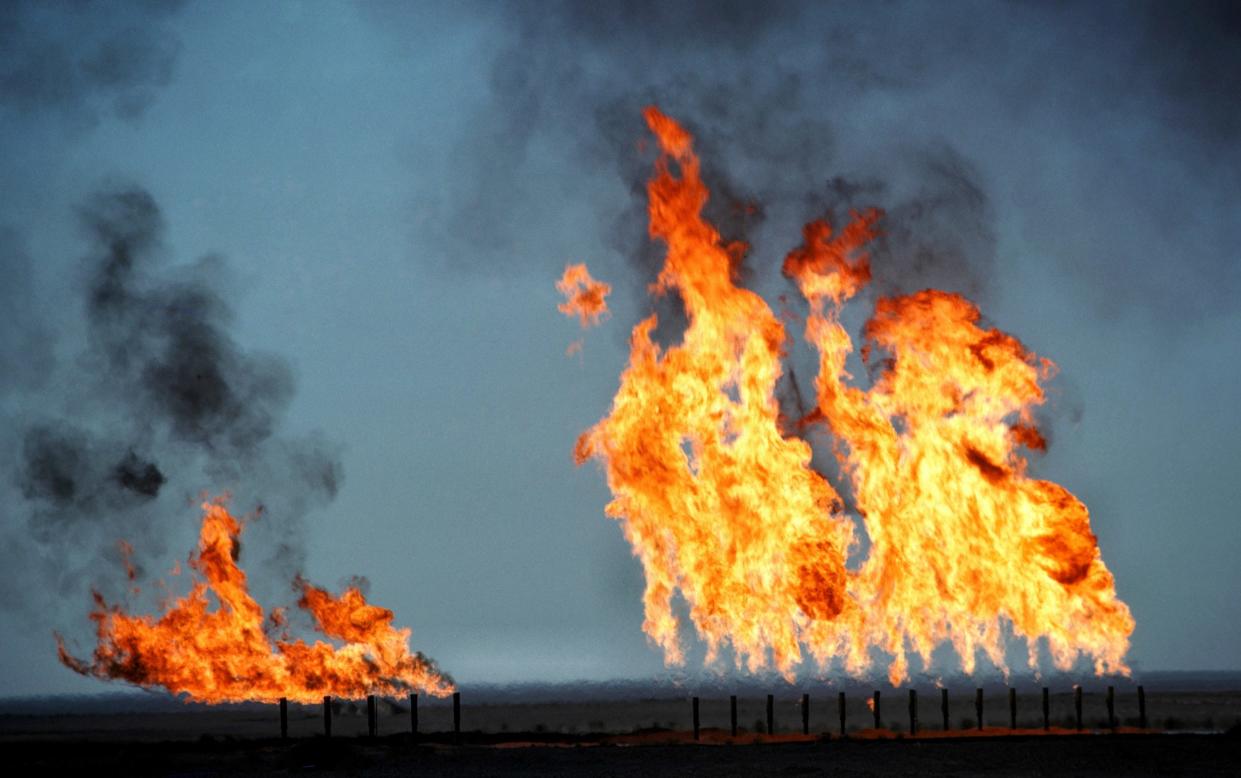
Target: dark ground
1072,755
1195,729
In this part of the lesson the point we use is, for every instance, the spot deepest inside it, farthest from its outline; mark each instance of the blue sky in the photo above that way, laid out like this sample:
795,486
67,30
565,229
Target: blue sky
386,193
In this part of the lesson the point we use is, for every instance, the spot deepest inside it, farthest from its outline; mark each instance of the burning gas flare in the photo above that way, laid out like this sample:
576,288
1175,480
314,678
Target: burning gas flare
213,644
723,508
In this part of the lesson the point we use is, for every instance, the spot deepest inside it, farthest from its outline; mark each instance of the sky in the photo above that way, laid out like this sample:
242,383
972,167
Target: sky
350,217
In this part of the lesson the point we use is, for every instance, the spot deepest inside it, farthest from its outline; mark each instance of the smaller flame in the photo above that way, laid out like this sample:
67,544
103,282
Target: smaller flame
217,649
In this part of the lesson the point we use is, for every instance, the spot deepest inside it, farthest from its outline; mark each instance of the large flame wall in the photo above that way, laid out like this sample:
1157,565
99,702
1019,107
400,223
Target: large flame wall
724,509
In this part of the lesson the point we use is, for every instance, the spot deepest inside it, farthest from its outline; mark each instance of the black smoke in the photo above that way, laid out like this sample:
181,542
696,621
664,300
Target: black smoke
139,476
167,342
82,61
161,407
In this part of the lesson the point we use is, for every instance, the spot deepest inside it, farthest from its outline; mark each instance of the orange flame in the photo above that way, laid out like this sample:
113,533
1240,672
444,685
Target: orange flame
724,509
222,653
585,297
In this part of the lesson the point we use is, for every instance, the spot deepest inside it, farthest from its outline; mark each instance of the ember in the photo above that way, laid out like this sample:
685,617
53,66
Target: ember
585,298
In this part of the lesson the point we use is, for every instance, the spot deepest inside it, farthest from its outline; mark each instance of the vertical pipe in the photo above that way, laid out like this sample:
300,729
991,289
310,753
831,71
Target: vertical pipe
913,711
413,715
876,710
978,707
695,718
732,713
1141,707
1111,707
1046,709
840,705
284,718
1077,706
327,715
1012,708
771,715
372,727
943,707
456,715
805,713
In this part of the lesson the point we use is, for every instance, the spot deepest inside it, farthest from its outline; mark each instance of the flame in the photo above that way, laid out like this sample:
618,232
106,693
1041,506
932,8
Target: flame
221,652
724,509
585,297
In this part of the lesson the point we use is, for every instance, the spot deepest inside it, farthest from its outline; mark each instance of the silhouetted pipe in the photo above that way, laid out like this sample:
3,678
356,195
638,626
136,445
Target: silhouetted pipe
978,706
840,704
372,726
805,714
413,715
284,719
1111,707
1077,706
732,713
456,715
943,707
327,715
913,711
1046,709
695,718
771,715
1012,708
876,708
1141,707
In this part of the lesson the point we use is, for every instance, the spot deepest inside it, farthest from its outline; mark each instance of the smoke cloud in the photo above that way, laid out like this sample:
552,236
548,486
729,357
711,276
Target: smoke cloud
769,134
801,109
83,61
160,406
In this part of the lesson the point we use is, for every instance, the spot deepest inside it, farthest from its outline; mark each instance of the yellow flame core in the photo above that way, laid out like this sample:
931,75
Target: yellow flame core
724,509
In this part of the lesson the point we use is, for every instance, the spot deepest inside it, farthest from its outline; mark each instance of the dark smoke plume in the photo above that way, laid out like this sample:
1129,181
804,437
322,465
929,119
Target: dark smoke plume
167,343
161,406
81,61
